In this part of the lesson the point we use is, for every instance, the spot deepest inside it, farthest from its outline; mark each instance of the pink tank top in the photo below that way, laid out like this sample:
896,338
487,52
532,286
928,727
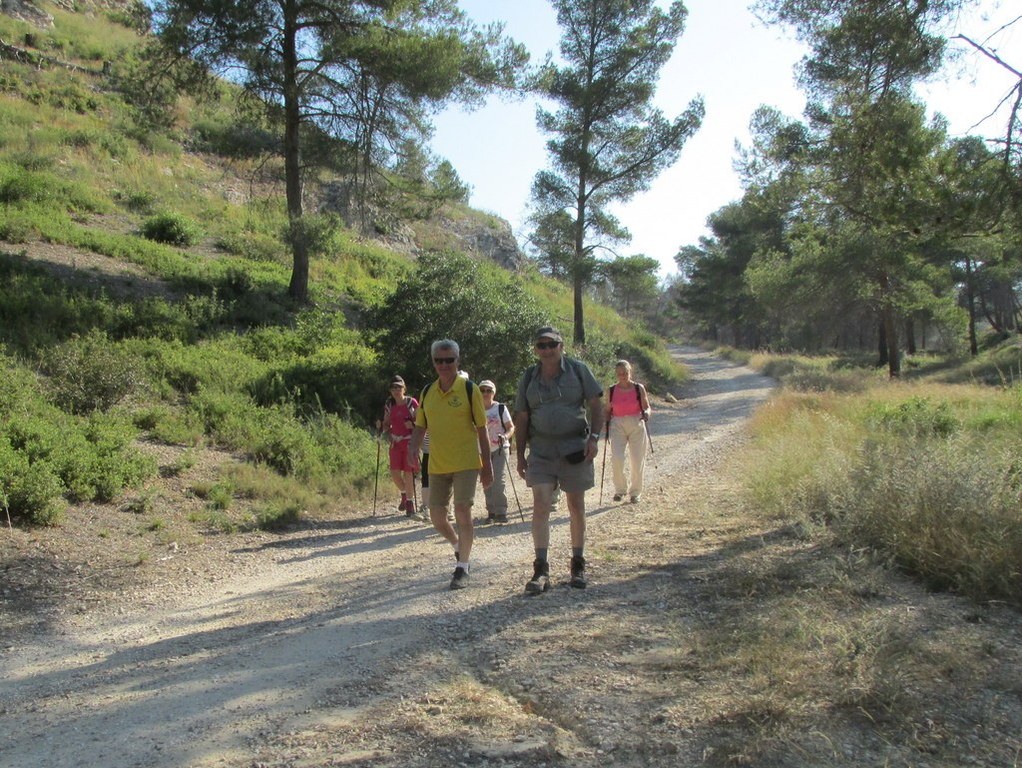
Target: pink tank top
626,402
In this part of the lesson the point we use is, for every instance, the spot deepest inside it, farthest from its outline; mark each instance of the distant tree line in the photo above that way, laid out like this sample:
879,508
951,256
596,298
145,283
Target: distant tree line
863,225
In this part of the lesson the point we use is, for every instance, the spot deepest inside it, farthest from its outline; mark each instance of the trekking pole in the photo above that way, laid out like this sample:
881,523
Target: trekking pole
511,475
376,485
606,448
415,498
650,439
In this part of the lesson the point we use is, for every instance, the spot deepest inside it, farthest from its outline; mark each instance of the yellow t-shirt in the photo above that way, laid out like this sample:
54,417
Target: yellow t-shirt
453,432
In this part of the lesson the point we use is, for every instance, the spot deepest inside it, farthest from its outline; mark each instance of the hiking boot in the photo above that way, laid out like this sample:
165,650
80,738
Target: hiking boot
578,572
460,578
500,519
409,507
635,498
540,581
618,496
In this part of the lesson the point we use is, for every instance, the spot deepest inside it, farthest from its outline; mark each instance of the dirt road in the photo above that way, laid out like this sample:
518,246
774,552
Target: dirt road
341,645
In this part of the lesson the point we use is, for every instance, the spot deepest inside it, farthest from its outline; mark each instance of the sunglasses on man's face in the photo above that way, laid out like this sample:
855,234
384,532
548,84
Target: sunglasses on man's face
547,344
485,389
444,360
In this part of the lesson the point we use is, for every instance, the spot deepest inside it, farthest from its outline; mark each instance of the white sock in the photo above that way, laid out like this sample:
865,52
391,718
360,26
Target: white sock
463,565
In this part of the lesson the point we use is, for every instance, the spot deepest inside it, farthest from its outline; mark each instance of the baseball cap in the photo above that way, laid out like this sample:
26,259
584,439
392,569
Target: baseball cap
549,332
397,380
487,383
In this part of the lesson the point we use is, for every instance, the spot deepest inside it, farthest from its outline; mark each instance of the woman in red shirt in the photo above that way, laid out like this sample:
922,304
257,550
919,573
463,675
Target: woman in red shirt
627,415
398,422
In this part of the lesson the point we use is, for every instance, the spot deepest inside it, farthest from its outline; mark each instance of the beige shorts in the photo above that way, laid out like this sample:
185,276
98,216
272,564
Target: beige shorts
462,485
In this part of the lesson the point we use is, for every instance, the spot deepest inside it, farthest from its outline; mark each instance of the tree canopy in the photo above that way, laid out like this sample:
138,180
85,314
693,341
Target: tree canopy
862,220
608,142
481,307
366,72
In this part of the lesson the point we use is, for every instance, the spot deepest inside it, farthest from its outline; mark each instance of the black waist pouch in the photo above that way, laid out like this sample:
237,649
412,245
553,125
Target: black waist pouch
575,458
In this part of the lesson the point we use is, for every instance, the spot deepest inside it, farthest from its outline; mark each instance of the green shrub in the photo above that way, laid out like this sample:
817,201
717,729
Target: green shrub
282,443
483,308
228,137
170,229
136,201
220,496
35,495
19,185
215,366
254,245
275,516
48,454
17,229
916,416
174,426
91,373
331,379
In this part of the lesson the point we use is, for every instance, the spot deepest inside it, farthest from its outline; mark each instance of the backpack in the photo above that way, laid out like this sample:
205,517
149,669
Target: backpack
468,392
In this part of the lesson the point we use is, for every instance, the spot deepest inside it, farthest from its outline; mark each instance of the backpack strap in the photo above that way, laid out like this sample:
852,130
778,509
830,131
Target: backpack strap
422,400
643,395
570,363
502,409
468,391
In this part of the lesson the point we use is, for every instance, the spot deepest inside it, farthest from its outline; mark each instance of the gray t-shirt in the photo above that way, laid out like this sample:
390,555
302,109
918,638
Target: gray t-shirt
557,408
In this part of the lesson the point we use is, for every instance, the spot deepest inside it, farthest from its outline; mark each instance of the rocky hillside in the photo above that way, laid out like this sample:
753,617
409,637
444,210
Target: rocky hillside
34,12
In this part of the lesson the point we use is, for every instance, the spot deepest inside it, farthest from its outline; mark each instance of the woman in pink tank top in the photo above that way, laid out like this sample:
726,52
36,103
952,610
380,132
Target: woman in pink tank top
627,414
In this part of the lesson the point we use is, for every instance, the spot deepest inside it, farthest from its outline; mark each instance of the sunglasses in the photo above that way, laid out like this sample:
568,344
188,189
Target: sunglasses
485,389
547,344
444,360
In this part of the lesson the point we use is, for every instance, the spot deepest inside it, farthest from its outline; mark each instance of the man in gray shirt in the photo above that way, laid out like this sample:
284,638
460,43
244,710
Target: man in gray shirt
550,420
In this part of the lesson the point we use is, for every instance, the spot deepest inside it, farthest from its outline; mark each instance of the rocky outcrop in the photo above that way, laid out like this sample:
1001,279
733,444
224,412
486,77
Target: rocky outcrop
491,238
29,11
479,235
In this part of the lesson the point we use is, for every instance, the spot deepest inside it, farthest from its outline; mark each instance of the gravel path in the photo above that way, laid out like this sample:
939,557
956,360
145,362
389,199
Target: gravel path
343,645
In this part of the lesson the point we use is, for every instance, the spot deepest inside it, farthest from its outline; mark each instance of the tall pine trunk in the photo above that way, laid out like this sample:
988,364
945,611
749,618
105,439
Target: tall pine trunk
299,287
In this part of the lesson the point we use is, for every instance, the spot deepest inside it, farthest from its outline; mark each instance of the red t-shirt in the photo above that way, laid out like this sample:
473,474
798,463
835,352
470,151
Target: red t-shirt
396,414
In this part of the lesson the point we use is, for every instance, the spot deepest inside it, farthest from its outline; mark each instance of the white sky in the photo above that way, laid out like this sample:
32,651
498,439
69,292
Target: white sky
736,64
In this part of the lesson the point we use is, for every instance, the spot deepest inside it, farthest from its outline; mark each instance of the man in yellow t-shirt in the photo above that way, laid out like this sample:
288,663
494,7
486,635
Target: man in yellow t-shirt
459,451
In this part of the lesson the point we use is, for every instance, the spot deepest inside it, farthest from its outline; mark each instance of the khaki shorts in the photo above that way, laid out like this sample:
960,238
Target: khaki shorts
570,478
462,485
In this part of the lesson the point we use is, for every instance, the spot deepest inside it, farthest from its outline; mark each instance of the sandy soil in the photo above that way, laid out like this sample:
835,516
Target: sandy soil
340,643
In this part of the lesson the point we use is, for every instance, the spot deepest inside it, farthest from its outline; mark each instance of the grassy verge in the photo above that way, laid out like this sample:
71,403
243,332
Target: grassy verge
925,474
